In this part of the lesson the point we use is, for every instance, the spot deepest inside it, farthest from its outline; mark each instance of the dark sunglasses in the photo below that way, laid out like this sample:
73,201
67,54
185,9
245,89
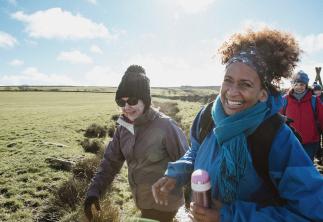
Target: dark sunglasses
132,101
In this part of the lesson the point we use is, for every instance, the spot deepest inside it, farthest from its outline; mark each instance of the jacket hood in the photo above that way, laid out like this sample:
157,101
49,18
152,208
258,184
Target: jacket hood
274,103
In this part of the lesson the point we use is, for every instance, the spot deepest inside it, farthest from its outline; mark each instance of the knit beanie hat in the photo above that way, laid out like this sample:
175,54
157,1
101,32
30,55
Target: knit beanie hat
135,83
300,76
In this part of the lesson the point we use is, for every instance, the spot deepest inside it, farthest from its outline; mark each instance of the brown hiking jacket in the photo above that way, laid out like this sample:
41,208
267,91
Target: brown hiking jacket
147,146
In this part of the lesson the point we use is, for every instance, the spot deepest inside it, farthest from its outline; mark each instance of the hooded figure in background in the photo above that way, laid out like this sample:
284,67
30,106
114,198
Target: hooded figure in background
147,140
306,112
317,90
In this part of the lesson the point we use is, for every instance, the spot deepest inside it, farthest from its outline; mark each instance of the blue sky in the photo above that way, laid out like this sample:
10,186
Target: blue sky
92,42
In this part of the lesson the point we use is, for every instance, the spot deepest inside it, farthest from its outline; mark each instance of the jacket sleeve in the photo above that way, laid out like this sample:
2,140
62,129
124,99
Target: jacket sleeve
183,168
297,181
110,165
175,141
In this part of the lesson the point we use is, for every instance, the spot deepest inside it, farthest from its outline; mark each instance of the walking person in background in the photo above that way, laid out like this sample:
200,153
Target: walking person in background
317,90
250,180
306,112
147,140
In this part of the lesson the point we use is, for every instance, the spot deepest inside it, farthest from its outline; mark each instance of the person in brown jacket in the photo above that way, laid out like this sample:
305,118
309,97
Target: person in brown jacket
147,140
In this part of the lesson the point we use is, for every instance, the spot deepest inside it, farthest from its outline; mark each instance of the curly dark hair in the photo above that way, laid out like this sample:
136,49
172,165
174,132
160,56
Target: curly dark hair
278,49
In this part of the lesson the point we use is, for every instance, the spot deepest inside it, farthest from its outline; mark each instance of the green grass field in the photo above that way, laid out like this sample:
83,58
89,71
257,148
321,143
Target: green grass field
35,126
38,125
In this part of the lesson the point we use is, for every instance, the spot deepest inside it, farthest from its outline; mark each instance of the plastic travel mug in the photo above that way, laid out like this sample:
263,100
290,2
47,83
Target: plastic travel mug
201,188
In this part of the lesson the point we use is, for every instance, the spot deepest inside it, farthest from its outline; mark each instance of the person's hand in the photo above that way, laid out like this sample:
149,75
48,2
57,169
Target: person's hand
202,214
91,206
162,188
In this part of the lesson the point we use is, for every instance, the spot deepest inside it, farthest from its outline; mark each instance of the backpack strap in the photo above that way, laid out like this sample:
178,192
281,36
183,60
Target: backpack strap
206,122
317,123
260,145
313,102
285,102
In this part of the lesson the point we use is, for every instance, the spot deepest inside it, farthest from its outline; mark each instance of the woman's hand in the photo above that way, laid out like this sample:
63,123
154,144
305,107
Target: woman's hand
162,188
202,214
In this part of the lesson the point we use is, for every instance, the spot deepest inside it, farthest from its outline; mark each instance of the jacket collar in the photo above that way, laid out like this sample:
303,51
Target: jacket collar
149,115
307,96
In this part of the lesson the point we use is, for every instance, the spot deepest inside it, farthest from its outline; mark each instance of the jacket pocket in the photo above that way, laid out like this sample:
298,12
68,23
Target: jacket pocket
156,155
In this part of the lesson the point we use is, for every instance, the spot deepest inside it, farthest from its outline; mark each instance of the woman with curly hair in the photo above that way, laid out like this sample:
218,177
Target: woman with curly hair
248,184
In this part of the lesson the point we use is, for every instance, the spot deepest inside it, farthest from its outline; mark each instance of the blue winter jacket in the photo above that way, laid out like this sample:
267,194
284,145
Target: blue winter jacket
290,169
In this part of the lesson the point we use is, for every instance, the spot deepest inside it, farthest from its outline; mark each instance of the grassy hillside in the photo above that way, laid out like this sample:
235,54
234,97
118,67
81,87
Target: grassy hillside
36,126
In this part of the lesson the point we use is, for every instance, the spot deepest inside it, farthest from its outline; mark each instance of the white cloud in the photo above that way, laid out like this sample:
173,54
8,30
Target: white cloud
193,6
177,71
57,23
31,76
102,76
16,62
311,43
6,40
74,57
96,49
92,1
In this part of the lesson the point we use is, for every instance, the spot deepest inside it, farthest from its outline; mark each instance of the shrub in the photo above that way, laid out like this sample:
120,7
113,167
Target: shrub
70,193
95,131
85,169
111,131
109,212
115,117
168,108
92,145
11,205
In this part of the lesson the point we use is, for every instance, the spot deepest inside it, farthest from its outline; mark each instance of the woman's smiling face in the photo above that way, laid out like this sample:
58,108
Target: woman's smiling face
132,112
241,88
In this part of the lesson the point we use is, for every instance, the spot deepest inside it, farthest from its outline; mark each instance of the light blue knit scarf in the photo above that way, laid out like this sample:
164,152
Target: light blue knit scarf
231,132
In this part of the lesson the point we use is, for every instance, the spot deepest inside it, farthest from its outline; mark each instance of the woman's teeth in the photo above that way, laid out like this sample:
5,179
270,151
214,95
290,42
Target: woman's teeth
231,102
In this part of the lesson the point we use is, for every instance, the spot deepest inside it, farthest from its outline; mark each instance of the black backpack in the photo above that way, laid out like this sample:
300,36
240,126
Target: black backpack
262,137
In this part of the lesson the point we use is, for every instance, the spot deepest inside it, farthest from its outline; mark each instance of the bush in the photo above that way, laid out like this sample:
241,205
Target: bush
92,145
168,108
95,131
70,194
115,117
85,169
109,212
111,131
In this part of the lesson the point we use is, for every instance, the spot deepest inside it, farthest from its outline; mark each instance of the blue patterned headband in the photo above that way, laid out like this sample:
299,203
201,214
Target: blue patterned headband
253,60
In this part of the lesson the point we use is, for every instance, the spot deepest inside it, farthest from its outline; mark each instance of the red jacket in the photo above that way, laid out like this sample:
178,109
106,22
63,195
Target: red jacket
302,114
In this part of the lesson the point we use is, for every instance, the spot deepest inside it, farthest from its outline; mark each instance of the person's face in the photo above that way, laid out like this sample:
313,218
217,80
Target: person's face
317,92
241,88
132,112
299,87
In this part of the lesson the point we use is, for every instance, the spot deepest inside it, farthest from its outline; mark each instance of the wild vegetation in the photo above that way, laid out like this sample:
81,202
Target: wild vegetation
45,169
51,144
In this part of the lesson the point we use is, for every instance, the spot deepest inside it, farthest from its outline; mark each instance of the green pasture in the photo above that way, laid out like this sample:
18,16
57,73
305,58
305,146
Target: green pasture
35,126
38,125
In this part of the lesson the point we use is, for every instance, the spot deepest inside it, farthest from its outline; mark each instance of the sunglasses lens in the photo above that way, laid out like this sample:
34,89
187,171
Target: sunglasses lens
121,102
132,101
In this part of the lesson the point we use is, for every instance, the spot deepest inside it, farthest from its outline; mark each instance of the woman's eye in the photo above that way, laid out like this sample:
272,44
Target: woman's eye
245,85
227,80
